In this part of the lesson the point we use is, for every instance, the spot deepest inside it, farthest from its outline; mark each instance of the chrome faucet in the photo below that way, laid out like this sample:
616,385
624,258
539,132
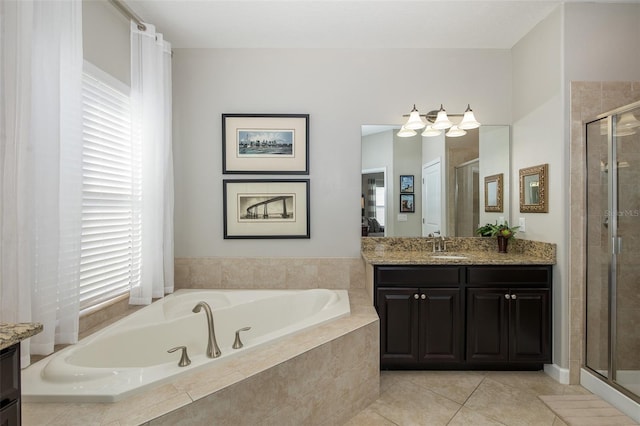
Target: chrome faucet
442,244
213,351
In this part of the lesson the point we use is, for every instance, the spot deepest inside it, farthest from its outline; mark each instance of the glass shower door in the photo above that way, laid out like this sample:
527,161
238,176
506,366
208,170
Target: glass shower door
626,292
613,249
598,251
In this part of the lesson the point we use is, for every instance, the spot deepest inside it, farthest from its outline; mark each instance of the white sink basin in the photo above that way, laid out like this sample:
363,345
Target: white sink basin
443,256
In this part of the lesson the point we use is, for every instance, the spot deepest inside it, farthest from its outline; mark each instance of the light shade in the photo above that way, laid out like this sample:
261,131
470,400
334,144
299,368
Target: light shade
628,121
442,121
415,121
429,131
469,120
406,133
455,132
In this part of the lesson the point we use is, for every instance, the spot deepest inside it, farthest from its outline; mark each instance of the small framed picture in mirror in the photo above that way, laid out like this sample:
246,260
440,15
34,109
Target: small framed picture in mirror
533,189
493,193
406,184
407,203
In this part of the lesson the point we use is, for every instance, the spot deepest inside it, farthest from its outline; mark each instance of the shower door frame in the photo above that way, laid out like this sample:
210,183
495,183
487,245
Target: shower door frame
614,248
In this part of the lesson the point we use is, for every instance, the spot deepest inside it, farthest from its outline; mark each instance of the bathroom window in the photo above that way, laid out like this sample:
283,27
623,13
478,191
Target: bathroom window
110,247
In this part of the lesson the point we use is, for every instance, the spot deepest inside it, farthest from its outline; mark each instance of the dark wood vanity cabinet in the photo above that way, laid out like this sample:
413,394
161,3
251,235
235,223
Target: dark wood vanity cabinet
421,324
464,316
10,385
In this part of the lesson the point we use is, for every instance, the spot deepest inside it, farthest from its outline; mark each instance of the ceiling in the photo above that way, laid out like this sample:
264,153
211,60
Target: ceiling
343,23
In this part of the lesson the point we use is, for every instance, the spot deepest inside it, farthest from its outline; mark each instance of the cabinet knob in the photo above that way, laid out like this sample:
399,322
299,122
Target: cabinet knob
415,296
513,296
423,296
506,296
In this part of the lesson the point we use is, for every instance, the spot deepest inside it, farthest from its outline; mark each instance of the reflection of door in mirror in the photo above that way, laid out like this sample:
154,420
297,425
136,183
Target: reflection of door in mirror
467,198
432,199
374,199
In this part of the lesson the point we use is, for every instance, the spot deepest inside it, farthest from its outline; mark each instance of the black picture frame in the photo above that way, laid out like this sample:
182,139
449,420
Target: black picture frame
407,203
265,144
406,184
246,204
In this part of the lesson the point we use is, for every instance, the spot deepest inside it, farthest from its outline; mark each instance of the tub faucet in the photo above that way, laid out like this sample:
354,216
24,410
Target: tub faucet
213,351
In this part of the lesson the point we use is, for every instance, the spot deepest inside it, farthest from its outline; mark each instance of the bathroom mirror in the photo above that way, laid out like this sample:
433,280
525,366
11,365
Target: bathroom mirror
533,189
493,193
461,165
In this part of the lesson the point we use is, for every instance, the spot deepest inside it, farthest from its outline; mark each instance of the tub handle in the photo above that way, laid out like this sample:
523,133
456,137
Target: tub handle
184,359
237,344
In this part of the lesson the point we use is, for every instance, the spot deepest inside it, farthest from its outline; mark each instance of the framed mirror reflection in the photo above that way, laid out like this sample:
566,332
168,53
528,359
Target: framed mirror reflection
493,193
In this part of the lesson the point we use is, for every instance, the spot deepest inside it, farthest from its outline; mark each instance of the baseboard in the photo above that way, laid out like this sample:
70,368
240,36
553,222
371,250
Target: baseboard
558,373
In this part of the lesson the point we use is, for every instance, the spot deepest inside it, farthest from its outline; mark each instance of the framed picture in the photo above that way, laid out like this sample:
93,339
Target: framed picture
265,143
266,208
406,184
407,203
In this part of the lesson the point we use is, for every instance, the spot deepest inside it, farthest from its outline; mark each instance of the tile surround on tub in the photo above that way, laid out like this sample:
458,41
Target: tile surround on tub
269,272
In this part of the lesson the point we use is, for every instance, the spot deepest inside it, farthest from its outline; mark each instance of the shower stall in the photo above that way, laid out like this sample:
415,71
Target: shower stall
612,335
467,198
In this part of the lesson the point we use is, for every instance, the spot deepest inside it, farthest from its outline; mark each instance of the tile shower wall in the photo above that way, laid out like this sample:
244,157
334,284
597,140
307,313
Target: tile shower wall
273,273
588,99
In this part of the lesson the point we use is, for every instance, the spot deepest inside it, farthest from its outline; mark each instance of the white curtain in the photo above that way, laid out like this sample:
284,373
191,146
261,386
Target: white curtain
151,105
41,168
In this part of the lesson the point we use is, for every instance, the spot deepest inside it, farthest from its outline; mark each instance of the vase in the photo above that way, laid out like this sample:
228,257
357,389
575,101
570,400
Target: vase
502,244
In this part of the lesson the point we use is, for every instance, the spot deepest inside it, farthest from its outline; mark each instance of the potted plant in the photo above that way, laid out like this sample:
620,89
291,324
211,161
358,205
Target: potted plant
502,232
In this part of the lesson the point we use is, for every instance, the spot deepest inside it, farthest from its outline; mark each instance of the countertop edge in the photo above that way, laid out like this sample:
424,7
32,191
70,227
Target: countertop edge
12,333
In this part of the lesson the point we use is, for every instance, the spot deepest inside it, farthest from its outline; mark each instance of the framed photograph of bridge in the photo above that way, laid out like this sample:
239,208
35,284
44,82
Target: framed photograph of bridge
265,143
266,208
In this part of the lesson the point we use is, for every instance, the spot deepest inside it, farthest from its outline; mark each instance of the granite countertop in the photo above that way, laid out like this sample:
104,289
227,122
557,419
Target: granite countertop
12,333
460,251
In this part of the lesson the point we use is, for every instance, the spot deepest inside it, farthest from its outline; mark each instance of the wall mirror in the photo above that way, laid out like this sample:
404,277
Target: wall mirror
449,190
533,189
493,193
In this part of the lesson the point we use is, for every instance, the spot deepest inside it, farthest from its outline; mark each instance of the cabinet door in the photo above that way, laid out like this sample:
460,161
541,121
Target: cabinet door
487,325
398,312
529,337
440,330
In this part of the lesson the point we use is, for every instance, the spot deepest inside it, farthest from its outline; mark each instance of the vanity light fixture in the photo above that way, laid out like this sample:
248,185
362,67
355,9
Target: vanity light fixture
436,121
415,122
442,121
468,120
455,132
406,133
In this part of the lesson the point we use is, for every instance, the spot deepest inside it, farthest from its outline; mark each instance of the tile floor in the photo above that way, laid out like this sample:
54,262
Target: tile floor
433,398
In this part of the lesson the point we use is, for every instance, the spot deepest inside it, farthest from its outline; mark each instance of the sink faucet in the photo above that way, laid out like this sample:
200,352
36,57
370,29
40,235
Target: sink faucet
213,351
442,244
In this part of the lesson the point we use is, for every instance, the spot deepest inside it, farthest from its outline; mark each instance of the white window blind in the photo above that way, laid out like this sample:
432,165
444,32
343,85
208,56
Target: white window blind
111,250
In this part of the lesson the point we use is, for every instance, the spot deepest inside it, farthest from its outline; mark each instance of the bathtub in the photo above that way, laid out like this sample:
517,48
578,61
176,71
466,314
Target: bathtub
131,355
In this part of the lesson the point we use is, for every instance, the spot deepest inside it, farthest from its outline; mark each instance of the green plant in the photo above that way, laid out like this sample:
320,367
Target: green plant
485,230
502,230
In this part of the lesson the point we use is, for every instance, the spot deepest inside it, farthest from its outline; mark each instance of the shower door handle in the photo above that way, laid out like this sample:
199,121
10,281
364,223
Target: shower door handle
617,245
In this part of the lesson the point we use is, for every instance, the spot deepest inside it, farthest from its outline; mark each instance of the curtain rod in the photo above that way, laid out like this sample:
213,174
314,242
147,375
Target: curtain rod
126,11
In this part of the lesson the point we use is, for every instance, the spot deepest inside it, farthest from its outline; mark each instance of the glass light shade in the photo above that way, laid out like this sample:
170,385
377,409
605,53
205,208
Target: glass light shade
469,120
429,131
406,133
455,132
442,121
628,121
415,121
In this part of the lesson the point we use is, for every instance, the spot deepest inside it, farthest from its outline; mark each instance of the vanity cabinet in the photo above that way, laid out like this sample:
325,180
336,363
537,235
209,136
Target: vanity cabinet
509,315
421,324
10,385
468,316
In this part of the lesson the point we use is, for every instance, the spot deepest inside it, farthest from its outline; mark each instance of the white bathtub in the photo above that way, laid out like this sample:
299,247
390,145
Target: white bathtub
131,354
